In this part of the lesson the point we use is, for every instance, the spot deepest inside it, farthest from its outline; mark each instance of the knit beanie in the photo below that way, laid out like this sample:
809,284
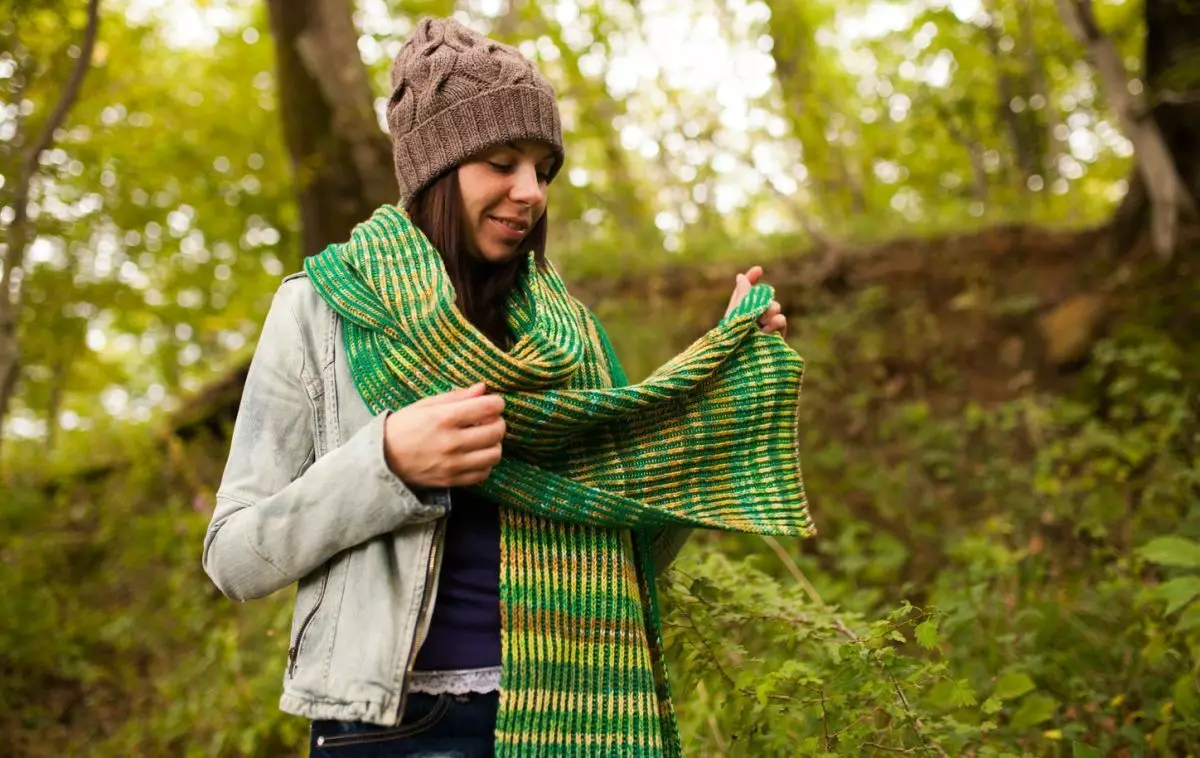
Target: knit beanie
456,93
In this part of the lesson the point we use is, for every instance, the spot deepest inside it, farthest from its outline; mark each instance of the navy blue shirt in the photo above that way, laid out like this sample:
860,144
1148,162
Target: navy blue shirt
464,632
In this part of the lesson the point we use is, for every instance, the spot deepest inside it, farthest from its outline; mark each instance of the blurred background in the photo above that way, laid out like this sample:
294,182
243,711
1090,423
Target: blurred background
980,217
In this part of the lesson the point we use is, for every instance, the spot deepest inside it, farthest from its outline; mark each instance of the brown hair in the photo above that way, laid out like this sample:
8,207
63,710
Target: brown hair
481,287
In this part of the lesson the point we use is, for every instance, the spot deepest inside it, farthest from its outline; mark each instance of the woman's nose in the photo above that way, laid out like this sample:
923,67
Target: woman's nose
527,188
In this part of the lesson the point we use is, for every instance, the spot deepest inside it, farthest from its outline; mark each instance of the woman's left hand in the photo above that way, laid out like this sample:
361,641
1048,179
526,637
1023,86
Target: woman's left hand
772,319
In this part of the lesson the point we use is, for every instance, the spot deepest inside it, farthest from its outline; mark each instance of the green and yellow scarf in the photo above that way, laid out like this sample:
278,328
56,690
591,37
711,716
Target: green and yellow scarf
592,469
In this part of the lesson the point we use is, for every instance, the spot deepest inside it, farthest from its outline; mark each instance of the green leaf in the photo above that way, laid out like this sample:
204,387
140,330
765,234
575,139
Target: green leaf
897,636
963,694
763,691
927,634
1189,619
1013,685
992,705
704,589
942,695
1035,709
1178,592
1081,750
951,693
1184,692
1172,551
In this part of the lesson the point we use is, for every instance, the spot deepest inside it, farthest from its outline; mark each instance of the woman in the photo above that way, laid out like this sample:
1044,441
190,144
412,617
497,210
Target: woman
435,441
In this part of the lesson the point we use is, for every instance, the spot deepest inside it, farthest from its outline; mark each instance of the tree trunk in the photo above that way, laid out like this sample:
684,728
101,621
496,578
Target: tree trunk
1168,196
1173,88
1173,82
10,357
21,232
1050,152
959,129
794,49
54,405
1008,89
341,158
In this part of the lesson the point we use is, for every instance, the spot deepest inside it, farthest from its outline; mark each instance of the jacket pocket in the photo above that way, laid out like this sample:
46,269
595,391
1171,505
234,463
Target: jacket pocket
294,648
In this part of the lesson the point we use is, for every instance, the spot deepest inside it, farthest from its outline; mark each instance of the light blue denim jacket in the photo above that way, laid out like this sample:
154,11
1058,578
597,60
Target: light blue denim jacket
307,497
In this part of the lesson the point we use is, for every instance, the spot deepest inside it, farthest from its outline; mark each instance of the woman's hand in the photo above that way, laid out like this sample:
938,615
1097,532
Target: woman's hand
447,440
772,319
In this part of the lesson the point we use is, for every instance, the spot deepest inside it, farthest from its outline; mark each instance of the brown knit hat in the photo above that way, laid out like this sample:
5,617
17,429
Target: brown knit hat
456,93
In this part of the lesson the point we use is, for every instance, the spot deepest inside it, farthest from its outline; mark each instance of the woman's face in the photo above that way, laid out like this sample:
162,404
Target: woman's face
504,195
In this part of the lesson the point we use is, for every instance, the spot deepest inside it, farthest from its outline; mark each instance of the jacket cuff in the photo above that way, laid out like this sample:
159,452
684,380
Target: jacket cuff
434,502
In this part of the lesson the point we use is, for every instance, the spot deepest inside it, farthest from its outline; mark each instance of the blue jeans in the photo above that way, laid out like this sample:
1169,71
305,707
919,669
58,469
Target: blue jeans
433,726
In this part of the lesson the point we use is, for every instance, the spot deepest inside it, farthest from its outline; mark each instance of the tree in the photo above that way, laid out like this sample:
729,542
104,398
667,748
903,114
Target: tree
341,159
21,230
1165,182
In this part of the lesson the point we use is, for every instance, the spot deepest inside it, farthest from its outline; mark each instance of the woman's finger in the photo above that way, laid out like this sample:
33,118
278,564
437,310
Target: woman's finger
469,478
480,459
776,323
740,288
481,436
771,312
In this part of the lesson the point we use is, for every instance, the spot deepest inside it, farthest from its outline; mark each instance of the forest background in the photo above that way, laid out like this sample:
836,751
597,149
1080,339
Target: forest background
979,215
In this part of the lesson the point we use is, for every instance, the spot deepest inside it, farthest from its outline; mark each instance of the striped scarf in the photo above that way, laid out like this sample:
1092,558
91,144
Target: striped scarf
592,468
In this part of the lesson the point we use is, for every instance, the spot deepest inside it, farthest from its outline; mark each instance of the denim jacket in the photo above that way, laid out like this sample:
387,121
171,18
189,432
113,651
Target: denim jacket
307,497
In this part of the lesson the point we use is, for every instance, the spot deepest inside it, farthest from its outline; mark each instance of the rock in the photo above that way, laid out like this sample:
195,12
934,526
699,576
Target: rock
1011,352
1069,330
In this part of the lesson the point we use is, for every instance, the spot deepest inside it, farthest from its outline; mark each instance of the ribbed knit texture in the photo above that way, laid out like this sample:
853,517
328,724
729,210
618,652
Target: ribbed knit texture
456,93
708,440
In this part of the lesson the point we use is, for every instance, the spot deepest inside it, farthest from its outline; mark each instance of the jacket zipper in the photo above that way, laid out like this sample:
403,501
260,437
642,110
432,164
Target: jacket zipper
294,650
422,623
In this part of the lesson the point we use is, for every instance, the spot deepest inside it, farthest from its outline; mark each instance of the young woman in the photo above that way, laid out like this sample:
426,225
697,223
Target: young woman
436,442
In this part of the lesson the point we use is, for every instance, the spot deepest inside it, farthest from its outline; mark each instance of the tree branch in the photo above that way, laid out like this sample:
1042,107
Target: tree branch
46,138
885,748
825,724
711,718
979,182
17,96
1177,98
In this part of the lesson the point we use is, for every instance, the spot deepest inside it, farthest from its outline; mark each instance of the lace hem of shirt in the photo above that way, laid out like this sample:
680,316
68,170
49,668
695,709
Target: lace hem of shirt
459,682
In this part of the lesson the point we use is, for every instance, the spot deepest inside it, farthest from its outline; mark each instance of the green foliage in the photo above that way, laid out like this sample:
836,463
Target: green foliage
765,668
974,589
994,577
114,638
1178,552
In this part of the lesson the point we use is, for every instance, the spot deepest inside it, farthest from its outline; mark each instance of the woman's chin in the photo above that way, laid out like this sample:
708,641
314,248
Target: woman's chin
498,254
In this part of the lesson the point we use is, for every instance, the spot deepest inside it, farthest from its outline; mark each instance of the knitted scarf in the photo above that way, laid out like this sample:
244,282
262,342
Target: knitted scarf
592,471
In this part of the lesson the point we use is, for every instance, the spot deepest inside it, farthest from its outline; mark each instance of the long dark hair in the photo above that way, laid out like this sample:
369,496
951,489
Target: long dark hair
481,287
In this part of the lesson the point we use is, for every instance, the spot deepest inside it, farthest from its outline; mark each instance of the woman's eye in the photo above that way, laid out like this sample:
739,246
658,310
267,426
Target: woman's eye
544,178
502,167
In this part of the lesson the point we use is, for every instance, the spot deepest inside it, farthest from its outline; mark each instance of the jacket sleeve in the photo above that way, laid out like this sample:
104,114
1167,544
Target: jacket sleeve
667,541
279,513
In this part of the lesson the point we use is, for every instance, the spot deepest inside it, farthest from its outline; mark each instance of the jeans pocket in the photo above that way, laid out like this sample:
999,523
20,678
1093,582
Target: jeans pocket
366,734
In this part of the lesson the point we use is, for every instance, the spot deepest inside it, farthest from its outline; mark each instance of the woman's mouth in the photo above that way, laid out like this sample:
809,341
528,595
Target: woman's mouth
510,228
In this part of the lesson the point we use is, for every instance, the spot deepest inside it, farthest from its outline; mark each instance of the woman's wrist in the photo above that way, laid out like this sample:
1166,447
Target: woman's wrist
391,456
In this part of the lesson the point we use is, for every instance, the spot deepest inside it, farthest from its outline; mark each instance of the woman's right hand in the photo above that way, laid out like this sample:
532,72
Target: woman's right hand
447,440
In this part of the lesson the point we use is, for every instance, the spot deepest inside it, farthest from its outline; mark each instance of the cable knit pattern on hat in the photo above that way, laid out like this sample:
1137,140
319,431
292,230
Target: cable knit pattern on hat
456,93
